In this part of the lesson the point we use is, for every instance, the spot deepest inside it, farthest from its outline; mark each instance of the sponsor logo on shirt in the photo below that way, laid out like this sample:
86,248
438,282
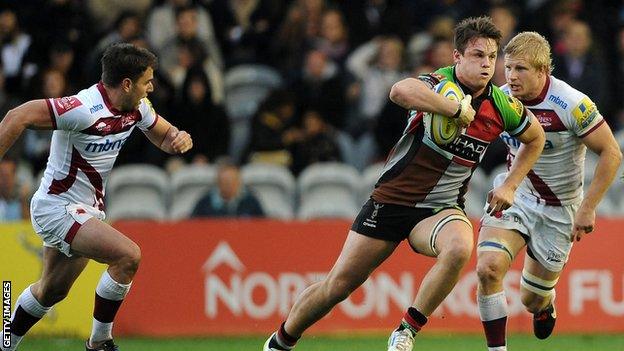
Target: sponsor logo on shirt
467,147
66,104
105,146
96,108
516,105
585,112
127,120
557,100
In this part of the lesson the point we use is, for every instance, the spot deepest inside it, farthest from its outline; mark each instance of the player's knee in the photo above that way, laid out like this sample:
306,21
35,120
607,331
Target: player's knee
339,288
457,251
489,270
131,259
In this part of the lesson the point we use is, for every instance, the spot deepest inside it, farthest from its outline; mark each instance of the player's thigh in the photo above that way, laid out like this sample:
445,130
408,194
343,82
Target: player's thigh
359,257
103,243
441,230
535,268
499,244
60,271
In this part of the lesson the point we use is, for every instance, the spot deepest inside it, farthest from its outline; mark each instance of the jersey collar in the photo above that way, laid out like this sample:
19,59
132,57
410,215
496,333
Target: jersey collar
107,102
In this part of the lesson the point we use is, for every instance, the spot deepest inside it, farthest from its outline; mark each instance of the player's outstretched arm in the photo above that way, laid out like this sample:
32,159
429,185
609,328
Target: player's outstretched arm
33,114
602,143
413,94
168,138
532,139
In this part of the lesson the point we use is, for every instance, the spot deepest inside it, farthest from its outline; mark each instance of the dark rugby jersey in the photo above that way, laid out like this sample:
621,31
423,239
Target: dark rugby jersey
420,173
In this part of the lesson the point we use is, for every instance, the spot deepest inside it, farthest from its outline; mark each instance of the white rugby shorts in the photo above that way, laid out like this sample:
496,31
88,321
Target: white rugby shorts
57,220
548,227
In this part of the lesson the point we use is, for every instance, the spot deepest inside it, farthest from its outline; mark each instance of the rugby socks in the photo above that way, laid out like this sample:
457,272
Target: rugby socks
282,340
493,312
413,320
28,311
109,295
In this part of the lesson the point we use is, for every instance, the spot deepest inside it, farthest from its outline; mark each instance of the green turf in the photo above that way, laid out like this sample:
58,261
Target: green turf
454,342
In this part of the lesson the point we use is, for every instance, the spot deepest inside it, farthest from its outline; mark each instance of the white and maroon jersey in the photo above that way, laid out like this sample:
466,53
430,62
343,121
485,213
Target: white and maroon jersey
567,115
88,135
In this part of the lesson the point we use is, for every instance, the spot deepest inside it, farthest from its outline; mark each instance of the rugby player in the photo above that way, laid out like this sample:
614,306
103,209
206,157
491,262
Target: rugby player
549,211
419,195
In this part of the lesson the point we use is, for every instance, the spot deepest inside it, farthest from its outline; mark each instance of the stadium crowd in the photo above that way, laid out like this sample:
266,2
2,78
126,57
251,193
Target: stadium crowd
291,82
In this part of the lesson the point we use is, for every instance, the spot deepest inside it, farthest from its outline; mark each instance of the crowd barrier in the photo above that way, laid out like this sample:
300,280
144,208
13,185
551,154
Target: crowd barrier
219,277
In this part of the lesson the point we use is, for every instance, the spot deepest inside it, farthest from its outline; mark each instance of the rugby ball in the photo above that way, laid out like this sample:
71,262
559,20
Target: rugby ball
443,130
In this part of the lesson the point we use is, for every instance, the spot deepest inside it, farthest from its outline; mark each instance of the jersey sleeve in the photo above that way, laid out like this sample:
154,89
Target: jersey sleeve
149,117
585,117
432,79
513,112
69,113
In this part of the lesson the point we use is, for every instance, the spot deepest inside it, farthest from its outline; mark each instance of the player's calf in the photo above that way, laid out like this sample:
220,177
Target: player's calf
28,311
538,297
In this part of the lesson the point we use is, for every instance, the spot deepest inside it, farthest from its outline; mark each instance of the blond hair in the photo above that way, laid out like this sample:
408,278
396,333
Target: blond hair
533,47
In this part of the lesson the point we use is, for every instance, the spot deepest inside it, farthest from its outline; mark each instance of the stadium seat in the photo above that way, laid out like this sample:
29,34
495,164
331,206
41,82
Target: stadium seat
188,185
137,192
329,190
274,186
370,175
245,87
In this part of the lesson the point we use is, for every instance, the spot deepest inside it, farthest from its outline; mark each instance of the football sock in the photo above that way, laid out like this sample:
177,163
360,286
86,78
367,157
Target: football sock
413,320
283,340
109,295
28,311
493,312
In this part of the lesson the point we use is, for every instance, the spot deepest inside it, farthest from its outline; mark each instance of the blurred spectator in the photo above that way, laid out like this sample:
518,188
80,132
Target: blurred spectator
370,18
15,45
505,18
376,66
244,29
389,127
14,197
162,27
273,131
295,35
61,57
440,53
105,12
582,66
321,88
318,143
197,112
51,84
7,102
61,26
125,28
334,38
230,198
186,49
440,28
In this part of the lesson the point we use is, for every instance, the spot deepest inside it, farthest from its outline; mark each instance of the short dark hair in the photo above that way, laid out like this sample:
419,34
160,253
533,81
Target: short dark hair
123,60
475,27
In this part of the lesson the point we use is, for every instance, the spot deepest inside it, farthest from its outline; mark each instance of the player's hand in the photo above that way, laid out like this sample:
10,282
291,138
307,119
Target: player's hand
182,142
584,223
499,199
466,112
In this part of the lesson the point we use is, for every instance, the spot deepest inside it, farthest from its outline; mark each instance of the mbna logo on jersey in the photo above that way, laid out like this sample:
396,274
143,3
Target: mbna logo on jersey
443,129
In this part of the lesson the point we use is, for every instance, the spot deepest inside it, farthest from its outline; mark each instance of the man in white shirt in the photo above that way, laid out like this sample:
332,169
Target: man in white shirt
549,211
67,211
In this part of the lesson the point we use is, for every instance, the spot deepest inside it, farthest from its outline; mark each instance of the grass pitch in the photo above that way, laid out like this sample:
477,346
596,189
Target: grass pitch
438,342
